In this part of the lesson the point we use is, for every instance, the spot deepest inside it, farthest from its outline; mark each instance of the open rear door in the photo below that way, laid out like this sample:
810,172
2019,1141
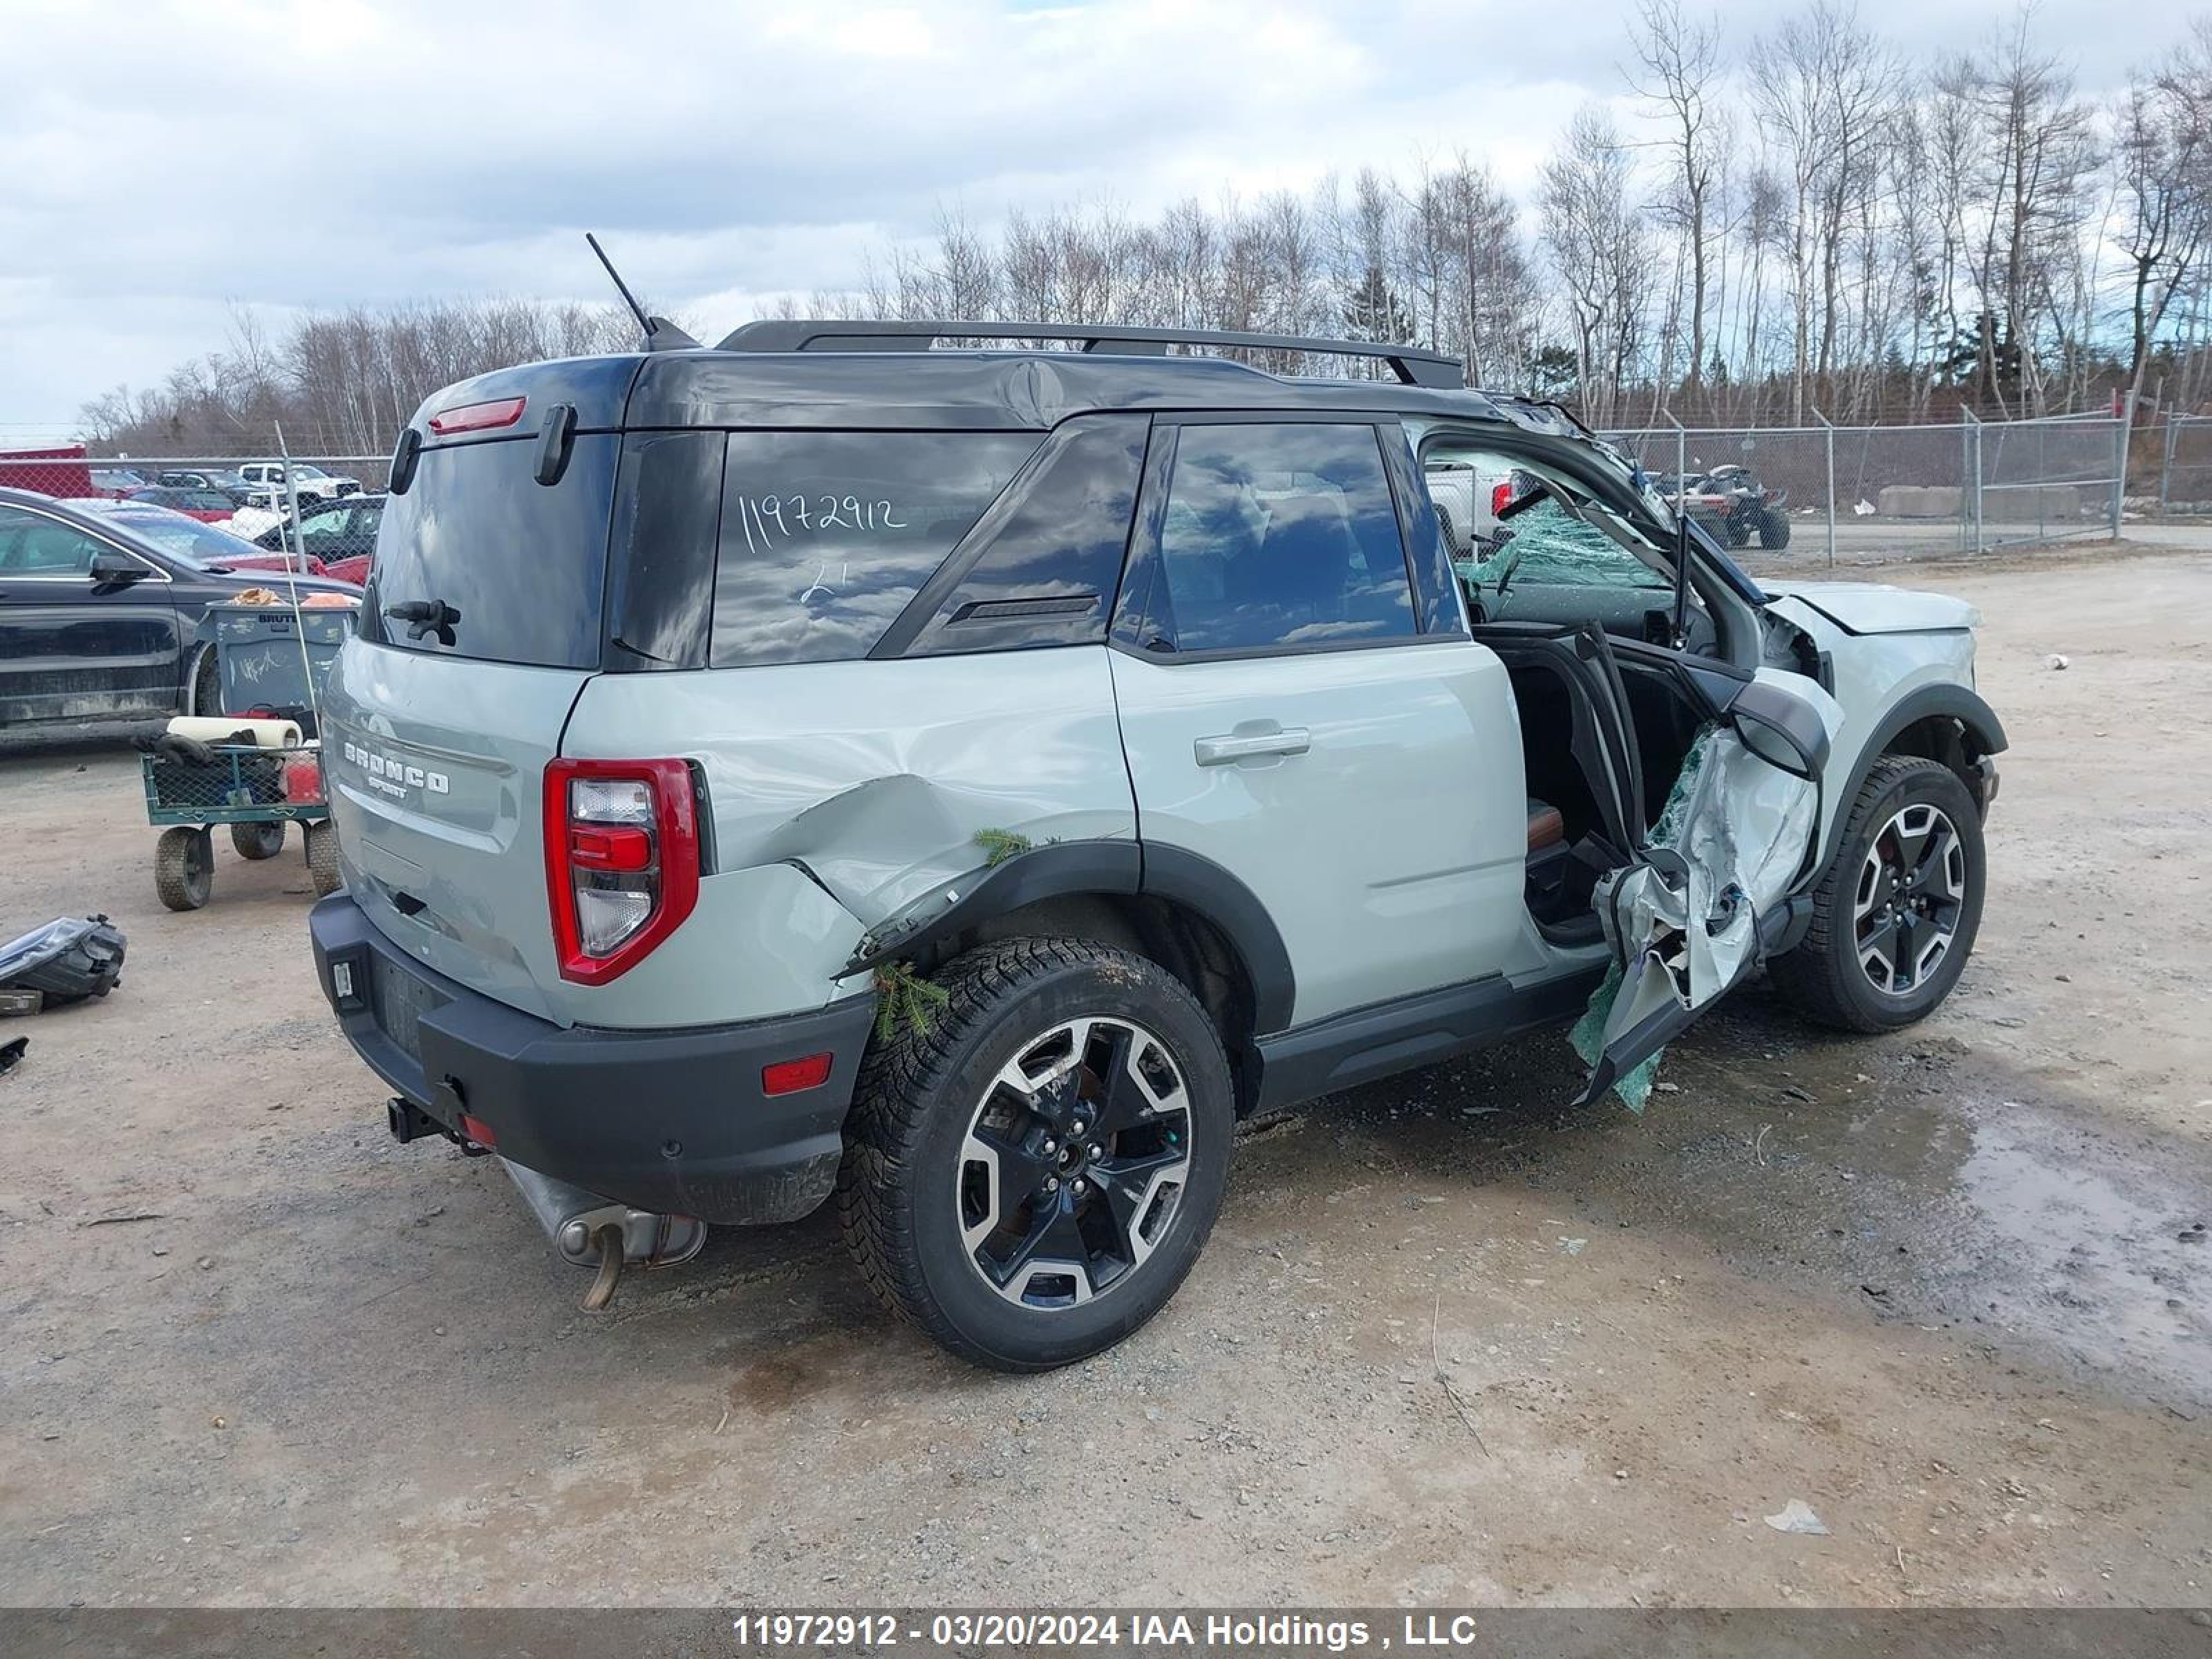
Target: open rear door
1690,916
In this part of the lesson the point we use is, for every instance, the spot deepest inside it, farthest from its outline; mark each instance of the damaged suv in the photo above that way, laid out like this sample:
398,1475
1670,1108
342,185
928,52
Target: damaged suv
964,781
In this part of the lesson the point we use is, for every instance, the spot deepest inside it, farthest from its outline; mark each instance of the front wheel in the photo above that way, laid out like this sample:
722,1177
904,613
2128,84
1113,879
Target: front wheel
1895,912
183,867
1031,1174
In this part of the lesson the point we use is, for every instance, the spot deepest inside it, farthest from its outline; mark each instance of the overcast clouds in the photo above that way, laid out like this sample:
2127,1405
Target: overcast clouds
164,162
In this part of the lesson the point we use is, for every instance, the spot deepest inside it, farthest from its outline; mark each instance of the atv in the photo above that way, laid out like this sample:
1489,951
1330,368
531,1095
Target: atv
1731,503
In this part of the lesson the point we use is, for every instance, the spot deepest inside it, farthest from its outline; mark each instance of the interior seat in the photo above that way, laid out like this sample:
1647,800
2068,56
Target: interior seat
1546,828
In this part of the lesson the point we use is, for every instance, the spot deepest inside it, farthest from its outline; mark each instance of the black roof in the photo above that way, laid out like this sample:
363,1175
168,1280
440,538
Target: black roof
944,389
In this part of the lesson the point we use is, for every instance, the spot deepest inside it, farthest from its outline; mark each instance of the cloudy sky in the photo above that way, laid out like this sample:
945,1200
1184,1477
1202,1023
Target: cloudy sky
167,162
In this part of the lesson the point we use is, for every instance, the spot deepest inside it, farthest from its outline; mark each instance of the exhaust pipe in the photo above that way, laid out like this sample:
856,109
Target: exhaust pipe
590,1229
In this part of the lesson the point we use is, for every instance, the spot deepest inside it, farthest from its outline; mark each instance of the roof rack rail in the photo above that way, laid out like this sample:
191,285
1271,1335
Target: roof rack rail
1412,365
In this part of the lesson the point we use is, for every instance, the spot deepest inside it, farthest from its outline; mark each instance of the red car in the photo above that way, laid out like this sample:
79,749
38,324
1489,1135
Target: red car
208,506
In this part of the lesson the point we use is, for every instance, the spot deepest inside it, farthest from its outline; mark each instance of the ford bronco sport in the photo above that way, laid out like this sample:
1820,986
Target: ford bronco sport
963,781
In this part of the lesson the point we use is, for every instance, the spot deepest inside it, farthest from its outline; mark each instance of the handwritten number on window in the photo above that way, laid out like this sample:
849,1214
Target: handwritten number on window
770,521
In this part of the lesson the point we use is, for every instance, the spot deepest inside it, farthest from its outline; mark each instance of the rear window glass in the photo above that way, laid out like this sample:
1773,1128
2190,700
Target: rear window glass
525,563
826,536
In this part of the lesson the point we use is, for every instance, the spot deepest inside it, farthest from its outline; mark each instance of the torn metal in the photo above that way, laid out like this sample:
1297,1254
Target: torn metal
1684,922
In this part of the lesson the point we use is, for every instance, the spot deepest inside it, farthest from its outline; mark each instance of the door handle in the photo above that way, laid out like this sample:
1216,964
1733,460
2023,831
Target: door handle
1243,745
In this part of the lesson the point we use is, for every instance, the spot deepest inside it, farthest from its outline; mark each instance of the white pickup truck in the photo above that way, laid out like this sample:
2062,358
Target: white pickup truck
1467,506
307,479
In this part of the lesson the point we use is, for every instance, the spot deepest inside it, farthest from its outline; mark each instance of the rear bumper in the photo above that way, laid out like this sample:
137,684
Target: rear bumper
671,1121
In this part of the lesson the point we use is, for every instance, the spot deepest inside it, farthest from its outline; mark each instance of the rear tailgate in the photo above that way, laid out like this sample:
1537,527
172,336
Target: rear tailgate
435,769
436,733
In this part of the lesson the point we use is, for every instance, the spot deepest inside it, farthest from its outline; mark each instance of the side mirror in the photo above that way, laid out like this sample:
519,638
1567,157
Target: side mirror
117,570
1781,731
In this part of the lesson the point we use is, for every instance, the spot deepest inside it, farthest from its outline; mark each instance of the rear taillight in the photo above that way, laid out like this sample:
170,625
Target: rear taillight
621,860
1501,496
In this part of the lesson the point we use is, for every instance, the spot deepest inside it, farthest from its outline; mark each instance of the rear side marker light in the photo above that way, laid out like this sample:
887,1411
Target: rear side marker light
790,1076
621,860
477,417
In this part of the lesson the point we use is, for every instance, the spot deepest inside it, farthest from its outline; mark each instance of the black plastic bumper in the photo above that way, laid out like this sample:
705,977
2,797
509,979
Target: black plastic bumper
674,1121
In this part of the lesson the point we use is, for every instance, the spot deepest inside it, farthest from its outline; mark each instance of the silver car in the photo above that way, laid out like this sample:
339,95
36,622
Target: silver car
963,782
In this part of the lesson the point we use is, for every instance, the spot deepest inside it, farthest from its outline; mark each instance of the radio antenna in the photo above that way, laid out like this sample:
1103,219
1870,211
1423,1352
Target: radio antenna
661,334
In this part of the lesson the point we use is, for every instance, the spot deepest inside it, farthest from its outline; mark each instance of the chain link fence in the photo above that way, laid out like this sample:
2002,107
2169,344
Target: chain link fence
1868,494
2183,456
1841,495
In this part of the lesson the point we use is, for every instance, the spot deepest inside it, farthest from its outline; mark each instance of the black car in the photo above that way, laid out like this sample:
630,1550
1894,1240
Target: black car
101,604
226,481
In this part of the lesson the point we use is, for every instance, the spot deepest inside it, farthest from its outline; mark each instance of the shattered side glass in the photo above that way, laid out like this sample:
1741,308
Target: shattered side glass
1548,547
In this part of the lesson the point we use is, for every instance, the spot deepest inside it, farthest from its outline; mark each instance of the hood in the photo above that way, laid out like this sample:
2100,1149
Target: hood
1875,608
240,575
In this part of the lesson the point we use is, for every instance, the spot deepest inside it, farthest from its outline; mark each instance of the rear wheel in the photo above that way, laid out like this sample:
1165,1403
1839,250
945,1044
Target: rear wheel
1895,912
1774,531
207,684
323,857
264,839
1030,1178
183,867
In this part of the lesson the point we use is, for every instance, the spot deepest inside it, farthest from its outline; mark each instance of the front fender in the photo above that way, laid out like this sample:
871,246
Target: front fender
1980,729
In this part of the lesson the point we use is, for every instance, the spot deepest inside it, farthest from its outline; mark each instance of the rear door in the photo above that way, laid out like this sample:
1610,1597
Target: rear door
436,734
1299,708
75,648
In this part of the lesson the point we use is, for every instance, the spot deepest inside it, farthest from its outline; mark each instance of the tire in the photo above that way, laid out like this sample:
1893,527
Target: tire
1828,976
1773,531
263,840
183,867
936,1220
207,684
322,839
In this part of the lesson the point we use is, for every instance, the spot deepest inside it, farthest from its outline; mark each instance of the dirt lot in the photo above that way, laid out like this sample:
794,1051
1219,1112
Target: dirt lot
1936,1286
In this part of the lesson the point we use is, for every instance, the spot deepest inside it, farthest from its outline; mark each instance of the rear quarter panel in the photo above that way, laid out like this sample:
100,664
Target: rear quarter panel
841,793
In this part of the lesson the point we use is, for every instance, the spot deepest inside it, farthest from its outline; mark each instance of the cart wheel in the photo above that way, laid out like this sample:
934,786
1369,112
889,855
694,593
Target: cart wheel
183,867
323,857
264,839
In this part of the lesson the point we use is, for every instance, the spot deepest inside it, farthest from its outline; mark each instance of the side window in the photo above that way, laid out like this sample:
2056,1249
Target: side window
33,546
1278,535
827,536
1506,524
1046,557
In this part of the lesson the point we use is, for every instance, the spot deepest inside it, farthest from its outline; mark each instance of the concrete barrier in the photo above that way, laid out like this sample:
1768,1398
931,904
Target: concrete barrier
1919,501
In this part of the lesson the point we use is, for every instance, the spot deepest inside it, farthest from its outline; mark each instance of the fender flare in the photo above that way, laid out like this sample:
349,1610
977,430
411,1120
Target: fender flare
1984,733
1120,869
1200,885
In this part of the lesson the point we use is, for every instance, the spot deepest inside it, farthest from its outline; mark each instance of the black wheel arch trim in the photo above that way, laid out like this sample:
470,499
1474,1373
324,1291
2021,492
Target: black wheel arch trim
1984,733
1198,883
1125,869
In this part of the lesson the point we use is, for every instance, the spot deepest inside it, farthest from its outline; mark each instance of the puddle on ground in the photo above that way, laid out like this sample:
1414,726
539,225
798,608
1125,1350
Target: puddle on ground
1922,1180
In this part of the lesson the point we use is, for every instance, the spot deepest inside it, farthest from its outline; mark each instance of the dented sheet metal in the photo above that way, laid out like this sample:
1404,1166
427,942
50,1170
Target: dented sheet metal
871,787
1684,923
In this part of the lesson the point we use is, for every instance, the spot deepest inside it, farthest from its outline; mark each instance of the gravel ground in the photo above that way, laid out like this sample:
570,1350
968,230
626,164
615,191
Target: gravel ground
1451,1341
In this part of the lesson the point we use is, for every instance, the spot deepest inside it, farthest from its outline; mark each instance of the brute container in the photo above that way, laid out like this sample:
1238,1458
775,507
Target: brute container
258,658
